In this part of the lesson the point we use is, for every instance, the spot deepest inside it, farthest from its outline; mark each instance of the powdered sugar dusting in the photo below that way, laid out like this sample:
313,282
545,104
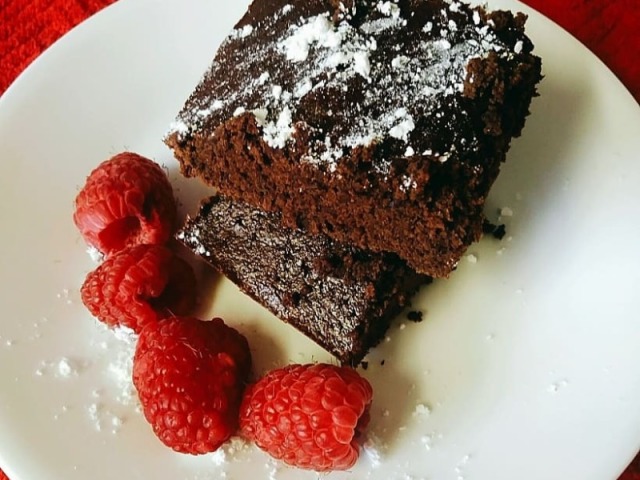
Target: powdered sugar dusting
517,48
318,30
121,368
319,52
243,32
404,126
389,8
374,449
96,255
278,133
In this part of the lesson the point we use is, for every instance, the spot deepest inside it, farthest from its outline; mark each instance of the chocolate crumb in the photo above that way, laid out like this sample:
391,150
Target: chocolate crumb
415,316
364,365
497,231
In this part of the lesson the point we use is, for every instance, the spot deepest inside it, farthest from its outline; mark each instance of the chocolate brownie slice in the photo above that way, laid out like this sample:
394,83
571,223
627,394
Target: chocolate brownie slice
340,296
381,124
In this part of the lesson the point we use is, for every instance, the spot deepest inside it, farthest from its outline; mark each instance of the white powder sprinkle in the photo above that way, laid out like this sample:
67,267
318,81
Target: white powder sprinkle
476,17
407,183
421,410
262,79
401,130
318,30
218,457
400,61
277,134
506,212
217,105
239,111
427,27
93,411
235,445
443,158
445,44
102,418
245,31
261,116
375,27
273,467
361,63
96,255
66,368
472,258
303,88
178,126
517,48
389,9
409,152
373,448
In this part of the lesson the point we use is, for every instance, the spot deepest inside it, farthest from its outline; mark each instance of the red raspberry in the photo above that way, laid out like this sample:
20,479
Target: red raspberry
310,416
127,200
190,376
139,285
3,476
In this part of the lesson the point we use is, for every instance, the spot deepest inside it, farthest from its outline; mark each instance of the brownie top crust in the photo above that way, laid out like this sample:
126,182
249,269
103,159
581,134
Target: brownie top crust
324,79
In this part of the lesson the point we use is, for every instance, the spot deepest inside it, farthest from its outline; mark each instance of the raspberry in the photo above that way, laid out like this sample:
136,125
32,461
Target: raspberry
3,476
310,416
139,285
190,376
127,200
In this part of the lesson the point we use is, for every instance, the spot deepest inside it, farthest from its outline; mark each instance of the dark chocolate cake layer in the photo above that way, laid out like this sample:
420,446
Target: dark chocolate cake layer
381,124
340,296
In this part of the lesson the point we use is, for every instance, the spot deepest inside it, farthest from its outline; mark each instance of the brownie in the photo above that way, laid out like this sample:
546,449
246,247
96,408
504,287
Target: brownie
381,124
340,296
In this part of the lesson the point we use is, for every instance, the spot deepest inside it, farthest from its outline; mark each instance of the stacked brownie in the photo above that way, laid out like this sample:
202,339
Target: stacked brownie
372,127
339,295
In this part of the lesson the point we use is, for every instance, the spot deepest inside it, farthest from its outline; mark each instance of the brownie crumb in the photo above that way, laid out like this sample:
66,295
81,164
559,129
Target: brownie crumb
497,231
382,363
415,316
364,365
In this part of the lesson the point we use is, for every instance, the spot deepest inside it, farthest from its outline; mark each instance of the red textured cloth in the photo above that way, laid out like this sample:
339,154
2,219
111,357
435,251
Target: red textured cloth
610,28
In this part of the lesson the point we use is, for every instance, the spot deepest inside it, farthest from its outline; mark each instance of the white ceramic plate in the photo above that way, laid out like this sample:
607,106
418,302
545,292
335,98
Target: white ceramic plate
528,359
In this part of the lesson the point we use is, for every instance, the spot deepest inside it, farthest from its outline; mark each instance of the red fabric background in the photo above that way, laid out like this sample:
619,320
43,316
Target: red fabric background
610,28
